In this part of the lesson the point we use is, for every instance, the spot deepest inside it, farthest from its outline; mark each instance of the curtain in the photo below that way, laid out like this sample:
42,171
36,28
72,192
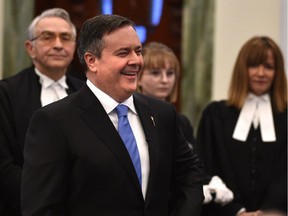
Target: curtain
197,53
17,16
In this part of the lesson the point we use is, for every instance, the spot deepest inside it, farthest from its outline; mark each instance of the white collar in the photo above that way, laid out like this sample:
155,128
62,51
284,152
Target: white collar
47,81
108,102
256,106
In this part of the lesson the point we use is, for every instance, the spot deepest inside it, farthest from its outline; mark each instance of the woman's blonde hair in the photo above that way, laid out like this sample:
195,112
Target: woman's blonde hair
155,55
255,52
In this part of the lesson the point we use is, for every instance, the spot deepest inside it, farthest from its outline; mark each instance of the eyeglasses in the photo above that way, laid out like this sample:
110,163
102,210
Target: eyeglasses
48,37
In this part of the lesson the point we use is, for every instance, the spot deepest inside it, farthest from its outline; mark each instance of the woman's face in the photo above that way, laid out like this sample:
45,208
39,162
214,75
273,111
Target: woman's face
261,76
158,82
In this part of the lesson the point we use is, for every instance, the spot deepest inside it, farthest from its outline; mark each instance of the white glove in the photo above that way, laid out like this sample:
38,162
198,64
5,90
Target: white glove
207,194
223,195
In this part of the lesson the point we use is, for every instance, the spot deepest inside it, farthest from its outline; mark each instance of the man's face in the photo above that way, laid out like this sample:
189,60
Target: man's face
121,61
53,47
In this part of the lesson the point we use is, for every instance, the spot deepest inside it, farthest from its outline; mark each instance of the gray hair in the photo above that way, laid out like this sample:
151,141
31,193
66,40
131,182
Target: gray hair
54,12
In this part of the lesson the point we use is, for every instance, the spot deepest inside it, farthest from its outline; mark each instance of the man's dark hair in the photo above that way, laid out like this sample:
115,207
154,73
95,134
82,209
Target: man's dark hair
93,30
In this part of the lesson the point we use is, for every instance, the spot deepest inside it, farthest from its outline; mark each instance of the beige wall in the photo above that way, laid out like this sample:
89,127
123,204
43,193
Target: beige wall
235,22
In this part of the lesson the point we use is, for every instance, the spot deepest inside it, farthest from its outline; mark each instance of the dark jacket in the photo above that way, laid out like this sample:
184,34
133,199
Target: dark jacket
19,98
75,162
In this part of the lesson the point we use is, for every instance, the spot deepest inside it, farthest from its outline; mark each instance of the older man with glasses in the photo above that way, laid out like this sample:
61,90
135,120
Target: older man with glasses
51,45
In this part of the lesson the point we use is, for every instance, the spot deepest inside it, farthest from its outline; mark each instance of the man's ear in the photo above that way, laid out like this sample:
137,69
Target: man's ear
91,61
29,48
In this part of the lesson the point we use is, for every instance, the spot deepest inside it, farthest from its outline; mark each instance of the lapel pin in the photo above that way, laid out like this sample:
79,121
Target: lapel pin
153,120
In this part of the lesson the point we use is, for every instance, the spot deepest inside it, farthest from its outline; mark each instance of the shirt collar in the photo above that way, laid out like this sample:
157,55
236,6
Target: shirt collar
108,102
264,97
256,108
47,81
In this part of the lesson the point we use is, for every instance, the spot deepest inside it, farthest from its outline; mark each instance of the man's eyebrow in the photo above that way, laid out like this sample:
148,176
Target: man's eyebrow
54,32
127,49
139,47
122,49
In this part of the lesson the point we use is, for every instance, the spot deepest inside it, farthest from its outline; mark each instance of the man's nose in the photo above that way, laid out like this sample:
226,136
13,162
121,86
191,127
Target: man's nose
58,42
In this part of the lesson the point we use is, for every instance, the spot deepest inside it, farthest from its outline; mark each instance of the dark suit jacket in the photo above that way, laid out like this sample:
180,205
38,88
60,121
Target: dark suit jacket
255,171
187,129
19,98
75,163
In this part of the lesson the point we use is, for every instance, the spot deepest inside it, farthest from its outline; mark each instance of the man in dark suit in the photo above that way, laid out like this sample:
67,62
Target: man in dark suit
75,162
51,45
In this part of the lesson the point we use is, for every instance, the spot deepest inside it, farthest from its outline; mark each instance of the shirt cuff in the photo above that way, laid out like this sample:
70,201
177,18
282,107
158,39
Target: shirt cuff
240,211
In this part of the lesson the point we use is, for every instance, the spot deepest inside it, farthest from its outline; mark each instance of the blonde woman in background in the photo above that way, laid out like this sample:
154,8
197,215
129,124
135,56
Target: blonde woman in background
160,79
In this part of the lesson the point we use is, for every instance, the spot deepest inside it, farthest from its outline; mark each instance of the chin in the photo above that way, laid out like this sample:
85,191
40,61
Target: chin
131,90
161,97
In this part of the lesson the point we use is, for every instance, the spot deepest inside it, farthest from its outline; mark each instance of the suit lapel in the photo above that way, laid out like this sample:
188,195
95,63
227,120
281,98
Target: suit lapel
73,84
96,117
31,91
149,123
26,100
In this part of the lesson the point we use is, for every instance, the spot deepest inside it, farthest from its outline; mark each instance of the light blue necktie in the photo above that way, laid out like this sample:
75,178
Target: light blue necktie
128,138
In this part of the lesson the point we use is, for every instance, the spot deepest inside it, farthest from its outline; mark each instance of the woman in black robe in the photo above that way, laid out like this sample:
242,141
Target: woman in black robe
243,139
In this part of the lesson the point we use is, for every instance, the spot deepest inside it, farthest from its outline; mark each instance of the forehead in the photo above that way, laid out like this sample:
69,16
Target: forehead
54,24
123,37
158,60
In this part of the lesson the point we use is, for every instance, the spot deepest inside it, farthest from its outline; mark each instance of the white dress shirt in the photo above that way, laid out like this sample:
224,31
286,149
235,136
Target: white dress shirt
109,105
51,90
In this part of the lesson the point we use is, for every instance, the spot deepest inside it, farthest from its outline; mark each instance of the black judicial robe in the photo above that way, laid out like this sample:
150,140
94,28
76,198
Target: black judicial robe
254,170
